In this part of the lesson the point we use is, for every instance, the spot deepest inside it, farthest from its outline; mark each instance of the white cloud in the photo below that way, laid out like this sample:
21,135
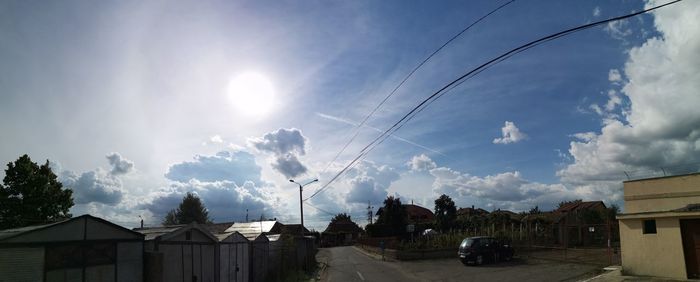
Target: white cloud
238,167
369,182
228,183
216,139
596,11
286,145
119,164
511,134
421,163
225,200
661,128
507,190
614,75
93,186
619,30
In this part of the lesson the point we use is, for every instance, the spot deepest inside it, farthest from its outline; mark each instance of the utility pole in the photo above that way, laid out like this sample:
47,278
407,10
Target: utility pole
301,201
369,213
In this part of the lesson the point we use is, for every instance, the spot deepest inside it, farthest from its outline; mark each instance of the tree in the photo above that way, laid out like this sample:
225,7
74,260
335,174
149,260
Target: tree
32,195
170,218
190,210
393,216
612,212
445,213
341,217
535,210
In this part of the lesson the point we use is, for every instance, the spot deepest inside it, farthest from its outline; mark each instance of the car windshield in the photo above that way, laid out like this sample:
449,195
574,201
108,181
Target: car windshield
466,242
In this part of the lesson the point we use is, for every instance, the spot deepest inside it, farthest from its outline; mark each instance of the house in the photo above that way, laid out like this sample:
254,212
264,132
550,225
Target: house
660,229
84,248
415,214
340,233
294,229
580,223
469,212
179,253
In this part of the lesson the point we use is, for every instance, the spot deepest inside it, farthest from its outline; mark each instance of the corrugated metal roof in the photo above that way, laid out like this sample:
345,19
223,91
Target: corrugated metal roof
17,231
17,234
252,230
154,232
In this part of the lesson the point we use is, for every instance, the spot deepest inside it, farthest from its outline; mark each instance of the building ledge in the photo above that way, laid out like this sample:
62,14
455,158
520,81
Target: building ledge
659,214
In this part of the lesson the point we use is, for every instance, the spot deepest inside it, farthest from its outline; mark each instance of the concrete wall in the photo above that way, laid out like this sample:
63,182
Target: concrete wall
661,194
659,254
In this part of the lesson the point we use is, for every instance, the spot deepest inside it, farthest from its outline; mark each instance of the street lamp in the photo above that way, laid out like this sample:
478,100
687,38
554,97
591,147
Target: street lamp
301,202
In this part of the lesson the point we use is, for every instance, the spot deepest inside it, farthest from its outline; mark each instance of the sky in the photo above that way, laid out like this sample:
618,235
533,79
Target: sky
136,103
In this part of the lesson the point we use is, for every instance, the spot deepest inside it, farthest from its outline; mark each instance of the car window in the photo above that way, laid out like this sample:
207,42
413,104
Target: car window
467,242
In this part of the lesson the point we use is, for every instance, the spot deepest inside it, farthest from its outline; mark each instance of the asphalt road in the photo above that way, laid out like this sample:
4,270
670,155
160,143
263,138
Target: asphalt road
351,264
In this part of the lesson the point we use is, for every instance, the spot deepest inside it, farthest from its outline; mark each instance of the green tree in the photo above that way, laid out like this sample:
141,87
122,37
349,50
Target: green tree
190,210
31,195
535,210
445,213
170,218
393,216
341,217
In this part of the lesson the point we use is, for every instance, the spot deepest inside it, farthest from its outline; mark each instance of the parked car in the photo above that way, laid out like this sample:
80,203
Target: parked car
481,249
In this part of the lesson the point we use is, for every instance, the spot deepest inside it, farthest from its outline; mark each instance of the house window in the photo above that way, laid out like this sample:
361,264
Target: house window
649,226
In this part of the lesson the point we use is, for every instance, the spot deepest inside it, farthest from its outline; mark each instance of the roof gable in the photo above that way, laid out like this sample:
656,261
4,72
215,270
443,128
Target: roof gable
84,227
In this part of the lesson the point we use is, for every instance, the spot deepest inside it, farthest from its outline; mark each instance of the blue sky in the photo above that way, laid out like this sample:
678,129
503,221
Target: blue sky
133,104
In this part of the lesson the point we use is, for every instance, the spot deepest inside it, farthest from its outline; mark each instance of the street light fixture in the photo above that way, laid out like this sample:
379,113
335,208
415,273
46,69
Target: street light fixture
301,202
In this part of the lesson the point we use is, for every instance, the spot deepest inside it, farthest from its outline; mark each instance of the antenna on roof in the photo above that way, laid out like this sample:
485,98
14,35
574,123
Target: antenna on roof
246,215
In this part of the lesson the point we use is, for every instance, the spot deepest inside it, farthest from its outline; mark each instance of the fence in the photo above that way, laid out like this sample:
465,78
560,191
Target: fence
290,257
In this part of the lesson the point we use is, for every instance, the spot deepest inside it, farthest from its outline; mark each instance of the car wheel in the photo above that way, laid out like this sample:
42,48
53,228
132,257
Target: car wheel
479,260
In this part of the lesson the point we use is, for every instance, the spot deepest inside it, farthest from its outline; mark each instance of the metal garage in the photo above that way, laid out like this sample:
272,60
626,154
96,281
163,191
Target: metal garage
84,248
234,257
179,253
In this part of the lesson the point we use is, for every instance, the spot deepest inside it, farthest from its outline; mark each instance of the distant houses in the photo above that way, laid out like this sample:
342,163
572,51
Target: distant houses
340,233
415,214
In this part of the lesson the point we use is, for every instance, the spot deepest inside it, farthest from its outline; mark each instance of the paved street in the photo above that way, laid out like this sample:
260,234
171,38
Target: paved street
351,264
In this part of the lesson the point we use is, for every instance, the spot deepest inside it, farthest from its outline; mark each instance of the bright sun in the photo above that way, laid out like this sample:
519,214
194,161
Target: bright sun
251,94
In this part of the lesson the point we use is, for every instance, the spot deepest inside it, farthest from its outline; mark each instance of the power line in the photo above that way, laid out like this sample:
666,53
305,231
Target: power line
321,210
359,126
473,72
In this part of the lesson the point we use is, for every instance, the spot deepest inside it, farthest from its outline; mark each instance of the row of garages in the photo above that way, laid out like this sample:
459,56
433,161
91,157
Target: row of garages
88,248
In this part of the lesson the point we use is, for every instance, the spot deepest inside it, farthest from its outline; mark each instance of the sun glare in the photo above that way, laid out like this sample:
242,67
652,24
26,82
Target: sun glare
251,94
